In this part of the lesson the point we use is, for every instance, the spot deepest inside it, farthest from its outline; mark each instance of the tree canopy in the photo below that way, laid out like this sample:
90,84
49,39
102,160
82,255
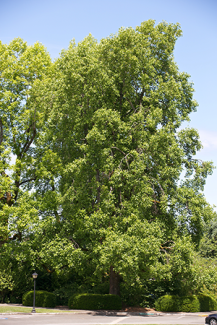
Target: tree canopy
98,134
20,122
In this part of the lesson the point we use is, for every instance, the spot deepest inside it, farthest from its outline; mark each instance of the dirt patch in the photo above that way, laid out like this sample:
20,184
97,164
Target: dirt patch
139,310
62,307
126,309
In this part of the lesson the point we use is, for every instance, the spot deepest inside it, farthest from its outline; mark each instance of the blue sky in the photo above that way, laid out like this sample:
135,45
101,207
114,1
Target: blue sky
54,23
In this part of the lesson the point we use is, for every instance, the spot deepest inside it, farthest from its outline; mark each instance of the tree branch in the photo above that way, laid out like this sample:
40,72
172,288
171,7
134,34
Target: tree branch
1,131
28,180
129,101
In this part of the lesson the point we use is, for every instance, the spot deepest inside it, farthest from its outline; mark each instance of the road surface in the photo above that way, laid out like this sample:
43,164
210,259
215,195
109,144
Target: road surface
91,319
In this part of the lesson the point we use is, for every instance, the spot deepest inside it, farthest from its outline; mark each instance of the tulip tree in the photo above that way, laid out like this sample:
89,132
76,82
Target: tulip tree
116,110
92,150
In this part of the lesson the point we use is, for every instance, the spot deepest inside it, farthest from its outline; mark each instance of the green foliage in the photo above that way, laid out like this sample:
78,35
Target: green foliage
177,304
204,275
137,294
67,290
94,190
208,243
6,283
190,304
119,113
42,299
49,300
72,286
95,301
168,303
21,120
71,301
207,303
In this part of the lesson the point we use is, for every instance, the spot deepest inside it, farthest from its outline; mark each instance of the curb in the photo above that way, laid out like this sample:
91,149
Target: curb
90,312
123,313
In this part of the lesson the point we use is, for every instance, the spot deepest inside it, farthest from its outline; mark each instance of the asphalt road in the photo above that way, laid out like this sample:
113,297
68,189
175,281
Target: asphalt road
89,319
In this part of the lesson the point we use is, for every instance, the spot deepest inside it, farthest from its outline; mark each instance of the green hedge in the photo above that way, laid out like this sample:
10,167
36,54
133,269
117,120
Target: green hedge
190,304
193,304
207,303
42,299
95,301
168,303
177,304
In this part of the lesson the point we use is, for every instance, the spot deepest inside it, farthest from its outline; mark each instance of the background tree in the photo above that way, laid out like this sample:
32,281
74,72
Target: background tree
20,123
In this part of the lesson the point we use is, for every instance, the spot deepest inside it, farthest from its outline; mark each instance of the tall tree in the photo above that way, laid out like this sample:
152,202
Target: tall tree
116,108
20,123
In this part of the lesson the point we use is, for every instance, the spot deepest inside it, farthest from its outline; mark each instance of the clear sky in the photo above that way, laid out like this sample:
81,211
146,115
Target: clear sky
54,23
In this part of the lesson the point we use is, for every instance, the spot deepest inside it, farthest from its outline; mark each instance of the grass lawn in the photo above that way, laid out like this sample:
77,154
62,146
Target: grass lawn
12,309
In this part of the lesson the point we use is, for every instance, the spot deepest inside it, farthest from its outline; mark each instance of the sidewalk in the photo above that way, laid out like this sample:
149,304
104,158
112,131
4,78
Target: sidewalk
104,312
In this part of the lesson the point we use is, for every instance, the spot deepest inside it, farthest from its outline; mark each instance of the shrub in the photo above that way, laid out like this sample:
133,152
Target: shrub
190,304
95,301
207,303
70,301
202,302
49,300
42,299
168,303
15,300
132,295
175,303
66,291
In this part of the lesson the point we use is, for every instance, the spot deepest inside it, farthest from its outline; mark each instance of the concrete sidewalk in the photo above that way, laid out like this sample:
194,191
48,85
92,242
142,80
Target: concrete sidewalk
104,312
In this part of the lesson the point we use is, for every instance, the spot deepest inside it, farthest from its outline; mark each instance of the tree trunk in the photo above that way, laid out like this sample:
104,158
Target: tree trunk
114,285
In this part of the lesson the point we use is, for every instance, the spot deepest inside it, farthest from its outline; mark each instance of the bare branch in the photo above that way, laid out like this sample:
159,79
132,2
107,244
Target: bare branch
129,101
28,180
75,244
118,150
125,157
29,142
158,184
1,131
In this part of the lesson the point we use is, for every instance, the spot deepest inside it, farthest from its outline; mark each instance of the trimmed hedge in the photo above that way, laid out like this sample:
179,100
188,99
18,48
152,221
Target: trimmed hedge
95,301
207,303
176,304
168,303
192,304
42,299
